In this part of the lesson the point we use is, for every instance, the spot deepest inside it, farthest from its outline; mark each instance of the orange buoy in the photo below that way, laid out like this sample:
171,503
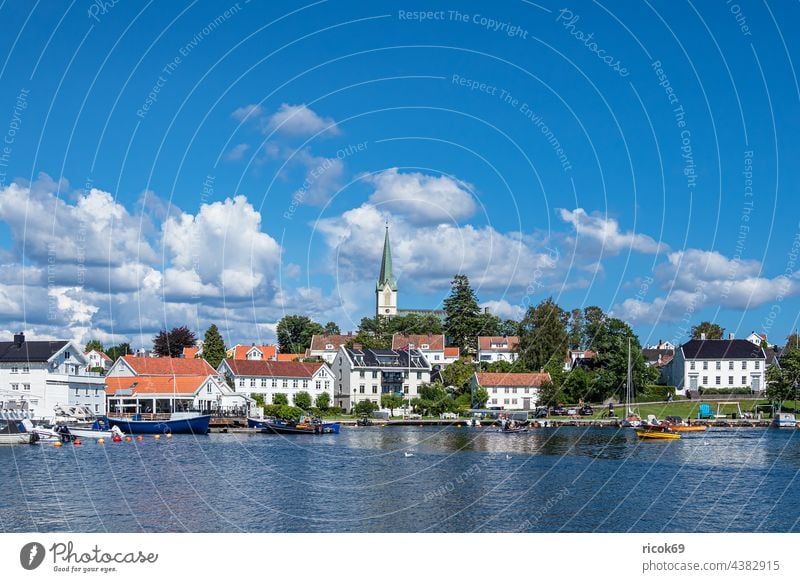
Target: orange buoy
128,439
57,444
101,441
158,436
169,435
77,442
140,438
116,438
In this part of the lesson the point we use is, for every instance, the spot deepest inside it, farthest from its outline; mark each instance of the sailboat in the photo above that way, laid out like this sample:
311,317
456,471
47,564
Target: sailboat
631,418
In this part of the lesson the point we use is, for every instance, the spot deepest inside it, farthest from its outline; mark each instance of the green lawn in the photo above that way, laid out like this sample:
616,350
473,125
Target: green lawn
682,408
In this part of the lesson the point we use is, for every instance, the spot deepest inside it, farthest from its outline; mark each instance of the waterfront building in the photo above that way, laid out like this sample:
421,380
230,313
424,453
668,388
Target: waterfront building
366,374
510,390
269,378
97,359
39,375
326,346
172,393
704,363
141,366
498,348
252,352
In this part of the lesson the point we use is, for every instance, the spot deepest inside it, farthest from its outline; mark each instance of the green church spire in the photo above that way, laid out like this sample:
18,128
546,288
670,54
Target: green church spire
386,275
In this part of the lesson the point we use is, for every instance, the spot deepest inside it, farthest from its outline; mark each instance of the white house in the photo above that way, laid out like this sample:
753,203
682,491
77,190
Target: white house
366,374
431,346
253,352
451,355
731,363
757,338
97,359
497,348
139,366
510,390
167,394
40,375
269,378
326,346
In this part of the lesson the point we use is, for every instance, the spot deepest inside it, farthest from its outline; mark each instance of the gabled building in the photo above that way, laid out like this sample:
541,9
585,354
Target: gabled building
326,346
269,378
97,359
252,352
510,390
731,363
757,338
366,374
167,394
451,355
139,366
37,376
579,359
431,346
497,348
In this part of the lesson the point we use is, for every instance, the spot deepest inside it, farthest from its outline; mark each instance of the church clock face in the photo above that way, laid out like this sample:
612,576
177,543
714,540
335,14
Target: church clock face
386,310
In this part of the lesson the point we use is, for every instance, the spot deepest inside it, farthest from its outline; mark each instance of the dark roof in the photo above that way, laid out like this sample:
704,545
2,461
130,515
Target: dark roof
721,349
381,358
651,354
29,351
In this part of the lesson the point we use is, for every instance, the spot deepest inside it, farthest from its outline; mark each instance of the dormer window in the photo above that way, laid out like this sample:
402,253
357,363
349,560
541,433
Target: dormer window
328,346
424,346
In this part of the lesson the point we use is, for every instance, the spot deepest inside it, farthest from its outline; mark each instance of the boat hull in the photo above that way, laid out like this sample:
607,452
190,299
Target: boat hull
283,427
23,438
676,428
657,435
193,425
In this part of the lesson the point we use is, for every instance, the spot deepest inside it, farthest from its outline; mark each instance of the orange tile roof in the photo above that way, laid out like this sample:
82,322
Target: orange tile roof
512,379
240,352
485,342
290,357
435,342
272,368
169,366
155,384
453,352
190,353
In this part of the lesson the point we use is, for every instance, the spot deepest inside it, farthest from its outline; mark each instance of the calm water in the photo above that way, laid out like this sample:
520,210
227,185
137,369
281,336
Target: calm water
566,479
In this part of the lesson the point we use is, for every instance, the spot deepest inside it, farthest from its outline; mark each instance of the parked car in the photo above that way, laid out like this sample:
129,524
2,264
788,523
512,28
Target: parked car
558,411
541,412
586,410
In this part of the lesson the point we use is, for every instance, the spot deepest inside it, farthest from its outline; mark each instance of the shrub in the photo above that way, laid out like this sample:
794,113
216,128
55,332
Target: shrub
365,407
302,400
736,390
280,399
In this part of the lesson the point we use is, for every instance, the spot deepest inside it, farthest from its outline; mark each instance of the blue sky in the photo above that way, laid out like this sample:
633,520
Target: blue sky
190,163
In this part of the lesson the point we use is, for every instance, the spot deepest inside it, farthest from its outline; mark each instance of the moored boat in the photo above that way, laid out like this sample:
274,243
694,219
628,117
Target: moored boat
13,432
688,428
304,426
784,420
656,433
177,423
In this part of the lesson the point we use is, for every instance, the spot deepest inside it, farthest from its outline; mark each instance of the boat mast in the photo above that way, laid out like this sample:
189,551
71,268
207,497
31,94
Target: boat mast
628,391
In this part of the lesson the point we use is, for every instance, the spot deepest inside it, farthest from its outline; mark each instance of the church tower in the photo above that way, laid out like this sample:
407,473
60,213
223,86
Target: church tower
386,289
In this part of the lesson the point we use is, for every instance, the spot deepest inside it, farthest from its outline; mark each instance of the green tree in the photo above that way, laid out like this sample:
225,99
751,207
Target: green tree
118,351
331,328
576,329
323,401
549,394
489,324
782,382
434,399
458,374
543,335
479,397
712,330
295,332
462,315
302,400
93,345
280,399
213,346
170,344
509,327
392,401
415,323
578,385
365,407
373,333
593,321
610,344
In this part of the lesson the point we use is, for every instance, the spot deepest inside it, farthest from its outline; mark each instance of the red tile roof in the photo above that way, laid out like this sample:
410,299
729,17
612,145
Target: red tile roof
272,368
155,384
190,353
485,342
453,352
290,357
435,342
240,352
512,379
169,366
318,342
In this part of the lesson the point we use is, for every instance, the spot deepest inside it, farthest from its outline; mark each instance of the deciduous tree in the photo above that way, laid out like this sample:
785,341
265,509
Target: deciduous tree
543,335
93,345
712,330
171,343
295,332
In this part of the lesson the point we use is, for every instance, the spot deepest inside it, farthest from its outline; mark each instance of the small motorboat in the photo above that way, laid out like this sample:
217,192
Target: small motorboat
688,428
784,420
303,426
13,432
364,421
657,433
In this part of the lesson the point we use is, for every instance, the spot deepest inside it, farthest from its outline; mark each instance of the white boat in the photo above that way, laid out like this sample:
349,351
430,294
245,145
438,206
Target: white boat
13,432
89,432
784,420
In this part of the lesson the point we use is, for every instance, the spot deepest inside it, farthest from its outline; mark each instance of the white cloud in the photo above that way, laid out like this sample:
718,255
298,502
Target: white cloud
248,113
420,198
606,231
237,152
323,178
504,310
299,120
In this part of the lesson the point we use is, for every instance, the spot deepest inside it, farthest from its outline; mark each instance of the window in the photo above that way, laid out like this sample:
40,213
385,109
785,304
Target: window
361,374
263,382
744,365
241,382
405,374
424,346
705,365
419,375
506,390
15,386
691,365
361,389
374,389
318,385
758,365
77,393
274,383
705,380
305,383
405,389
505,401
14,369
730,380
718,380
66,355
27,387
26,369
285,383
252,382
719,365
96,407
436,356
328,346
374,373
208,389
513,390
327,384
294,383
744,380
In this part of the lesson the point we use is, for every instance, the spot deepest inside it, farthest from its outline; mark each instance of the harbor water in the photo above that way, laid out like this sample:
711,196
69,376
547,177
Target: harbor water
409,479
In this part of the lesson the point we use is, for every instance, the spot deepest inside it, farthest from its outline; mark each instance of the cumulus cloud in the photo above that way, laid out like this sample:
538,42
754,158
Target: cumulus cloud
292,120
504,310
421,198
594,228
237,152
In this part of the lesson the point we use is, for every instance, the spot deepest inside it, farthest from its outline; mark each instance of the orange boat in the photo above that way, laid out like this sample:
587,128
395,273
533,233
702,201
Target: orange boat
685,428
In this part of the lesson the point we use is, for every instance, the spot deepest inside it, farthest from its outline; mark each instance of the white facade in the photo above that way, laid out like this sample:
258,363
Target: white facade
362,378
718,373
95,359
497,349
61,380
288,383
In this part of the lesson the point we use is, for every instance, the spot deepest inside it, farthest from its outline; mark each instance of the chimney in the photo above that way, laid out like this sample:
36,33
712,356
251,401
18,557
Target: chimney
19,339
702,336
